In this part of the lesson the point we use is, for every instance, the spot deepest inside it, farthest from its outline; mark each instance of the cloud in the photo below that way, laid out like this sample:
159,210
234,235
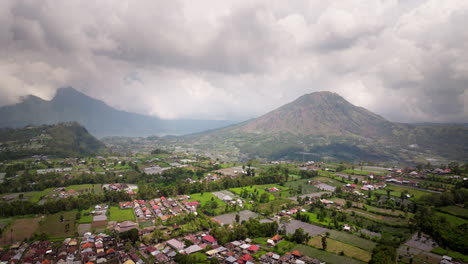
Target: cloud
405,60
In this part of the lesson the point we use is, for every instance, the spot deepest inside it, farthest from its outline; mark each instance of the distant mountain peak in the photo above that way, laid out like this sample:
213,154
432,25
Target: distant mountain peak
68,92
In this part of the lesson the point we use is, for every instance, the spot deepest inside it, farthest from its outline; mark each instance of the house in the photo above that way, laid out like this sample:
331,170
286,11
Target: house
192,249
253,248
176,244
209,240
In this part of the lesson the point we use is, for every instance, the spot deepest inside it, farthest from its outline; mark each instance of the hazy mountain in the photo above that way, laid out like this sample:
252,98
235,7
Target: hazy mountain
325,125
99,118
63,140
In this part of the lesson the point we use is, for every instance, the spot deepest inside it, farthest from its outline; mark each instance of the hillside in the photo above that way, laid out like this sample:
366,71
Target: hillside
62,140
70,105
324,125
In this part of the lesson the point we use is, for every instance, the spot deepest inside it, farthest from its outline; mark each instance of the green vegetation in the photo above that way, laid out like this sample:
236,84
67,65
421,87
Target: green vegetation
325,255
455,210
119,215
96,188
450,253
54,226
284,246
353,240
65,140
338,247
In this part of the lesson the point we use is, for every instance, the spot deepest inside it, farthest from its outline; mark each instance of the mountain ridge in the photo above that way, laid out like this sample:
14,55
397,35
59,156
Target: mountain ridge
63,140
100,119
328,126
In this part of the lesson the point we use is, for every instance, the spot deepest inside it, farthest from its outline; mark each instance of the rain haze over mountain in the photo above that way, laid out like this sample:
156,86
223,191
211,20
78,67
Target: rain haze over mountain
233,60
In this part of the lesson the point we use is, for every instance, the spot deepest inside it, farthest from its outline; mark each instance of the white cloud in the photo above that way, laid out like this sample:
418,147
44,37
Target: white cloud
406,60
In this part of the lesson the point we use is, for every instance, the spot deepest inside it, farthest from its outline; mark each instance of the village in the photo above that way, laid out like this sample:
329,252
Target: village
312,212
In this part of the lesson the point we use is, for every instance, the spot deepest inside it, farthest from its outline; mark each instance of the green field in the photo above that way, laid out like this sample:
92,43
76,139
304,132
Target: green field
284,246
85,187
275,205
260,189
86,219
36,196
302,184
455,210
52,225
206,197
353,240
397,190
119,215
335,246
453,254
456,221
325,255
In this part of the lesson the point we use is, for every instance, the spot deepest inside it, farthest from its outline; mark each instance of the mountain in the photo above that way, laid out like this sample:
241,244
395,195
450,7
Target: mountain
324,125
62,140
70,105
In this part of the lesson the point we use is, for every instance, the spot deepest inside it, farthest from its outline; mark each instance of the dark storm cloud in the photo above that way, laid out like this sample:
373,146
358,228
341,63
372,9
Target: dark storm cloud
406,60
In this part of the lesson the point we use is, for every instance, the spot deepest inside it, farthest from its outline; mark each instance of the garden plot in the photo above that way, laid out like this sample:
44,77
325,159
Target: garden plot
310,195
312,230
325,187
230,218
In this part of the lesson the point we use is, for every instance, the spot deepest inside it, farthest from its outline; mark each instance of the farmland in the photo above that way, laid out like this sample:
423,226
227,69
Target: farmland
119,215
23,228
55,228
455,210
337,247
353,240
325,255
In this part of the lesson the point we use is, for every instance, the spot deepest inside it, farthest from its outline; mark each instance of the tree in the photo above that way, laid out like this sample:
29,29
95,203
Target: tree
237,218
324,242
300,236
61,218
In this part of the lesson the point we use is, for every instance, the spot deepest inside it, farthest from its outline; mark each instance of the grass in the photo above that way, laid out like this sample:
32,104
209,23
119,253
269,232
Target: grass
119,215
37,196
52,225
275,205
86,219
85,188
326,256
455,210
22,228
397,190
450,253
314,220
206,197
353,240
335,246
260,189
284,246
260,240
306,188
456,221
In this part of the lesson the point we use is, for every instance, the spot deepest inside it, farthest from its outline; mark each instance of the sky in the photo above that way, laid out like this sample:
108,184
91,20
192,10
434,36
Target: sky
406,60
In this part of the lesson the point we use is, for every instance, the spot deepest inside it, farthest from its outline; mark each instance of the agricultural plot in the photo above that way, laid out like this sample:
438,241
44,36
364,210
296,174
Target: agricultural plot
335,246
203,198
397,190
456,221
230,218
21,229
312,230
328,181
275,205
378,218
261,189
35,197
120,215
455,210
326,256
302,185
54,227
310,195
353,240
85,188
